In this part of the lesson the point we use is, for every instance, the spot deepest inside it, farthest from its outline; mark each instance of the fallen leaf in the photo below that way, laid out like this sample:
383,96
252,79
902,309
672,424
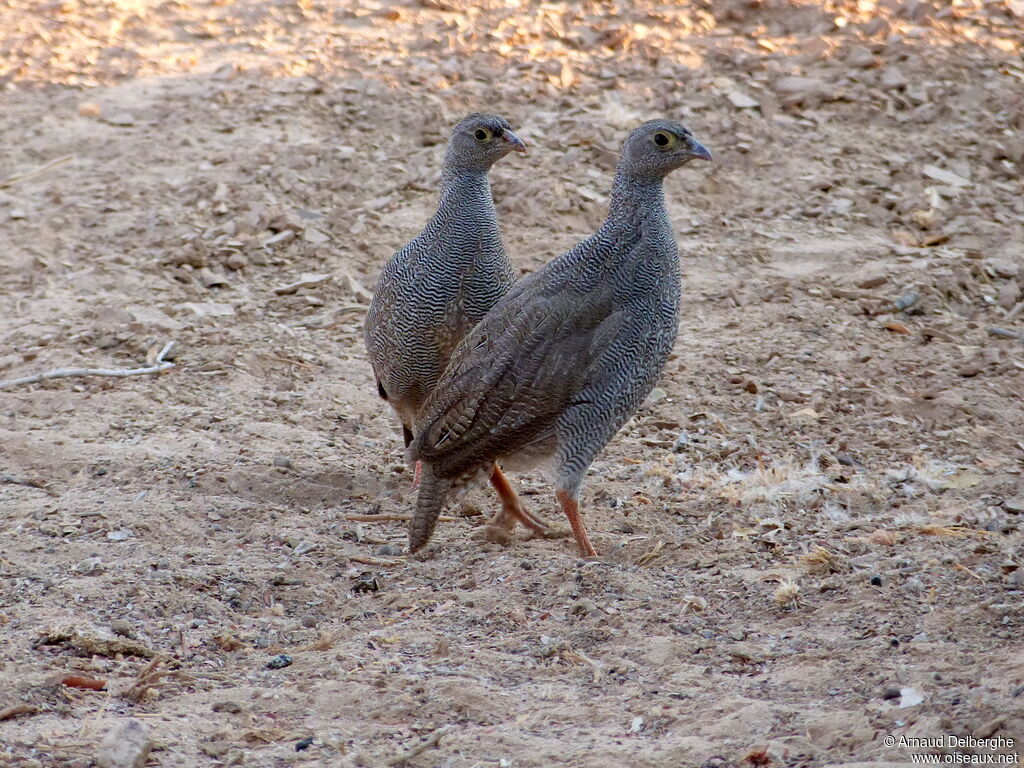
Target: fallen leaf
209,309
315,236
805,413
88,683
945,177
306,280
281,237
740,100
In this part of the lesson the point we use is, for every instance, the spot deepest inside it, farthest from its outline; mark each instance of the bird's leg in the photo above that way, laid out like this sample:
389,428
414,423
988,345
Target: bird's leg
571,508
512,510
417,475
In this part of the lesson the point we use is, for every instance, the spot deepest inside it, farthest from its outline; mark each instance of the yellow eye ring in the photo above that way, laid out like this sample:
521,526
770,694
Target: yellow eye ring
664,140
482,134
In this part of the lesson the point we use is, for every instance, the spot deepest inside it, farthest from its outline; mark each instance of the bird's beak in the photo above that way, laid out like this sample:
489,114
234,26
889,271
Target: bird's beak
515,141
697,150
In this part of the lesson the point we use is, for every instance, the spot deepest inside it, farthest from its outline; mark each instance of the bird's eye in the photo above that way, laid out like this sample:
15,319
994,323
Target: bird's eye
664,140
482,134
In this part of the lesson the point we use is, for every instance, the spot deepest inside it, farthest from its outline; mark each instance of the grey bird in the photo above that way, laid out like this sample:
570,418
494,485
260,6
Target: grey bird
552,372
437,287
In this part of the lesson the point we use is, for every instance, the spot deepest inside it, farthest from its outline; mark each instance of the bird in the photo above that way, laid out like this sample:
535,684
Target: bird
557,366
440,284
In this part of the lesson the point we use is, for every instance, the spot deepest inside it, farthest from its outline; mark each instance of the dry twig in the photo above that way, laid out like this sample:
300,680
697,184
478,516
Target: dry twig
159,365
365,560
431,741
17,711
19,480
1003,333
390,518
649,557
148,677
10,181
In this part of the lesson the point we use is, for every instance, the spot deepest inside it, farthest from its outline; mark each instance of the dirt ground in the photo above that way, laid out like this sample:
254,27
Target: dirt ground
810,533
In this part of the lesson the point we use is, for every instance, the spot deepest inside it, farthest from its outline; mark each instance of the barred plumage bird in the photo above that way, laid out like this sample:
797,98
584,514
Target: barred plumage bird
564,359
437,287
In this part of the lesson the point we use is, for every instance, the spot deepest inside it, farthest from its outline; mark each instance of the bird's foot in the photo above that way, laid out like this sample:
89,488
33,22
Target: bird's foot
496,533
551,532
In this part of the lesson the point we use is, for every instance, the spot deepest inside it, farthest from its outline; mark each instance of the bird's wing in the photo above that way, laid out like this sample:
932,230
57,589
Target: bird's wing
515,373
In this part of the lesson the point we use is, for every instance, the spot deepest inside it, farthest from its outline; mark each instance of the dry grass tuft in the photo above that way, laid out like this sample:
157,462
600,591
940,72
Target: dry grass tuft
822,561
787,594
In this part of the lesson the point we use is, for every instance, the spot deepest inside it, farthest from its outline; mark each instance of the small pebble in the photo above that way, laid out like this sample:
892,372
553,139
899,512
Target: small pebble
907,300
1014,504
876,580
231,707
126,745
280,662
891,693
282,461
969,369
304,744
121,627
389,550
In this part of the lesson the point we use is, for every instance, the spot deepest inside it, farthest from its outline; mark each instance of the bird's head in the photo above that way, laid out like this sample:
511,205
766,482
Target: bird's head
480,140
658,147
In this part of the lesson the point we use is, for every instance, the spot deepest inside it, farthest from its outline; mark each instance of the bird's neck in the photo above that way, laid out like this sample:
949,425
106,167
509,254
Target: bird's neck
460,186
636,195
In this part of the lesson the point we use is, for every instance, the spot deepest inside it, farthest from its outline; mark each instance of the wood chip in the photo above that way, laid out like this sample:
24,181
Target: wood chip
87,683
935,333
17,711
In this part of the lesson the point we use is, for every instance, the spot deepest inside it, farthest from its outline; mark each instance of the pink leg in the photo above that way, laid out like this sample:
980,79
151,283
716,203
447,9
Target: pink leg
512,509
417,475
571,508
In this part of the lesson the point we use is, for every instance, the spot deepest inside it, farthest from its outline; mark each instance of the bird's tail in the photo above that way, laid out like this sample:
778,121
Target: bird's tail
429,503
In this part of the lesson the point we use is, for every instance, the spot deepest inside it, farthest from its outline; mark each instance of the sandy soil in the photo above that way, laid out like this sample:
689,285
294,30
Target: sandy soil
810,534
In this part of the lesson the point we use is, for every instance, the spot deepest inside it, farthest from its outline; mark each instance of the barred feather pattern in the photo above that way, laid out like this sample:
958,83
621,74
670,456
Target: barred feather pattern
435,289
576,347
556,368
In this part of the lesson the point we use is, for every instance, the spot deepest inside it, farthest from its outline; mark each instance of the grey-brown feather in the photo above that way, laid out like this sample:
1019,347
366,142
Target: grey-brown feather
567,356
439,285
